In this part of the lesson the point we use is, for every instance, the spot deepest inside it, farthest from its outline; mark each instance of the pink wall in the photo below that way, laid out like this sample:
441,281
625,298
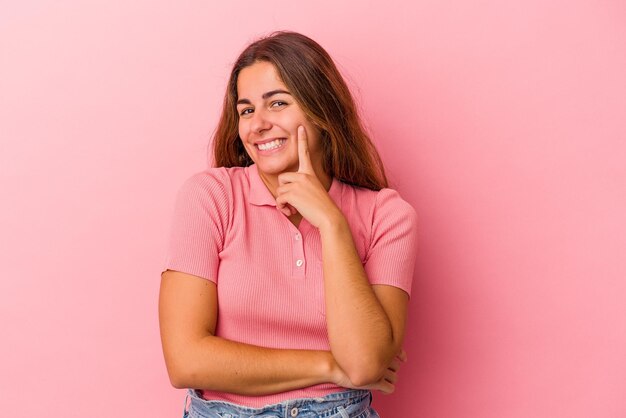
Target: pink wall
502,122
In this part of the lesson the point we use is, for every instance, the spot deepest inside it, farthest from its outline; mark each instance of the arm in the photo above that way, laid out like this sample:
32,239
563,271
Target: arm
188,307
365,323
367,333
196,358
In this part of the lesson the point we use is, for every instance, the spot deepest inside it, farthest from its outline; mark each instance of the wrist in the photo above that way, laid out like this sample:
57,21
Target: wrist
333,222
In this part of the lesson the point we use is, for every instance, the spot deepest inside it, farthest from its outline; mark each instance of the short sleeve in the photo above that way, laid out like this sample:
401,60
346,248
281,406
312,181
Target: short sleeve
391,256
199,225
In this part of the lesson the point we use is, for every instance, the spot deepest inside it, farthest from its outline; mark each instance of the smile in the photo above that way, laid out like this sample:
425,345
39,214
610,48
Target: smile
269,146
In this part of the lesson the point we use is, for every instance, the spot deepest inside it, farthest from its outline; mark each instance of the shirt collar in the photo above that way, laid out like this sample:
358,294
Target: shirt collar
260,195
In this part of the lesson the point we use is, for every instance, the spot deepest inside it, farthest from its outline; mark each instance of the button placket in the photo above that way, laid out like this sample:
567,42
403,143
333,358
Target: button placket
298,255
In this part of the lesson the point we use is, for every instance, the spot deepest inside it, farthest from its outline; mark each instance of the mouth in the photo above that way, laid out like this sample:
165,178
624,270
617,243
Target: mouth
271,145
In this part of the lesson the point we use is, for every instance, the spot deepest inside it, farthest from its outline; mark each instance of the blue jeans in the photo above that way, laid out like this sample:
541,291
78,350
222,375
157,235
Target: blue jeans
348,404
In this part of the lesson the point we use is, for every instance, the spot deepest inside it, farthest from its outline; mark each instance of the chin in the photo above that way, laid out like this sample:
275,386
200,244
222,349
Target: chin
274,168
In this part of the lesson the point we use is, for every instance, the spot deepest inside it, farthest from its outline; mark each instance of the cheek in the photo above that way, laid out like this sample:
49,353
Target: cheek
314,135
289,119
243,129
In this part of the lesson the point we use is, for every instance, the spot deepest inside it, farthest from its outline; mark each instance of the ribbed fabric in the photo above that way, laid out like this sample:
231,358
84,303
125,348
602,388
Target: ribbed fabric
226,228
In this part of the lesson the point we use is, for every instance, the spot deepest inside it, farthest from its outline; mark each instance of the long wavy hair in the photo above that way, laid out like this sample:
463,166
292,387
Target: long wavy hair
312,78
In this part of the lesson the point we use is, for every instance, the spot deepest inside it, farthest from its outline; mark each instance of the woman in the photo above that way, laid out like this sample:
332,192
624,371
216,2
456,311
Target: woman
289,268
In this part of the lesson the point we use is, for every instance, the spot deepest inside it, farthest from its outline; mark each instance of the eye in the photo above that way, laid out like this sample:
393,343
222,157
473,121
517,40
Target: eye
245,111
278,103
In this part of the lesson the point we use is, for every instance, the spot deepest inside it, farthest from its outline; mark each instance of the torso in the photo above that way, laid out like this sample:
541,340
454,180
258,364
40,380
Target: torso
269,274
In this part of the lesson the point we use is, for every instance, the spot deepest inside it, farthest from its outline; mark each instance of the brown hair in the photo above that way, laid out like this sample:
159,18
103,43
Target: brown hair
314,81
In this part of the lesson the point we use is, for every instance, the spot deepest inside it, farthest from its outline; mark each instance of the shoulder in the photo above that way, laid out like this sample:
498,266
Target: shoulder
392,239
207,179
390,202
212,183
210,193
380,205
393,217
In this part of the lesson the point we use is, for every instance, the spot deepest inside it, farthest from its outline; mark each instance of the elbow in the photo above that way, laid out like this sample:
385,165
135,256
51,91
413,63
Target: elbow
182,367
364,378
180,378
367,366
177,384
177,380
365,372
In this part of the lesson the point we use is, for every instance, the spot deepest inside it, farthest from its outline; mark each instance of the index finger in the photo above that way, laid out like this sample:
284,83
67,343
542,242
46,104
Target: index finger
304,158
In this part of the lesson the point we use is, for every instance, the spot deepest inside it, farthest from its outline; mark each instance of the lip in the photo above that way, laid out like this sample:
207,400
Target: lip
265,141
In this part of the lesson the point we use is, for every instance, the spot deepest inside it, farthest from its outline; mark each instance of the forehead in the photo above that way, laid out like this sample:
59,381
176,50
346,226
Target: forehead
257,79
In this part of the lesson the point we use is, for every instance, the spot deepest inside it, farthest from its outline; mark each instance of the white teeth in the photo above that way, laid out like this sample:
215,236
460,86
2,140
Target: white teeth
271,145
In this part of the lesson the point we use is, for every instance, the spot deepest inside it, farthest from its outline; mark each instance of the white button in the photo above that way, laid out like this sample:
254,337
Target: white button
294,412
299,263
297,237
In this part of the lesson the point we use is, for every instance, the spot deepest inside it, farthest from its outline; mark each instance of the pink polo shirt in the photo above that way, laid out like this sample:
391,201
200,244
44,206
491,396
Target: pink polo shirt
226,228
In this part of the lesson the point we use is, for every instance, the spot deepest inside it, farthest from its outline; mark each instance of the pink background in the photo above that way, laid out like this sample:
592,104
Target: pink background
502,122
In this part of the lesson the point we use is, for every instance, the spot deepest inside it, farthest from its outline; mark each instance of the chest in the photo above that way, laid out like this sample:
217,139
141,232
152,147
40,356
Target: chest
270,277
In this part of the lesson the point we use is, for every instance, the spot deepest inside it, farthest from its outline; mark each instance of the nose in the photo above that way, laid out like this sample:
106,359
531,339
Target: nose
260,122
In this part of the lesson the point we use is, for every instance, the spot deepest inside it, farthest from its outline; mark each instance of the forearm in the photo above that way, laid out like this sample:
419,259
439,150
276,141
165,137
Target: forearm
360,333
218,364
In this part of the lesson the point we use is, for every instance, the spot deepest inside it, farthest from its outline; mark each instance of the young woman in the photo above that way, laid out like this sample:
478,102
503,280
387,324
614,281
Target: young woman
290,263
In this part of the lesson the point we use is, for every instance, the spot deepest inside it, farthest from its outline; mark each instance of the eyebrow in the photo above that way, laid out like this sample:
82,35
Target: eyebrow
264,96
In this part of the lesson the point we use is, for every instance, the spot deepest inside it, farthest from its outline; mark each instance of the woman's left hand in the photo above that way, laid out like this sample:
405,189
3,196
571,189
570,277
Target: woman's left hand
303,192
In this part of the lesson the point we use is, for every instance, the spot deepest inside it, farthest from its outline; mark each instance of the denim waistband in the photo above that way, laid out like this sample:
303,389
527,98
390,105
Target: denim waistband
345,404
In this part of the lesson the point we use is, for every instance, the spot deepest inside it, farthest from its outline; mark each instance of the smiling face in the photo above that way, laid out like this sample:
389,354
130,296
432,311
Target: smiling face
269,117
